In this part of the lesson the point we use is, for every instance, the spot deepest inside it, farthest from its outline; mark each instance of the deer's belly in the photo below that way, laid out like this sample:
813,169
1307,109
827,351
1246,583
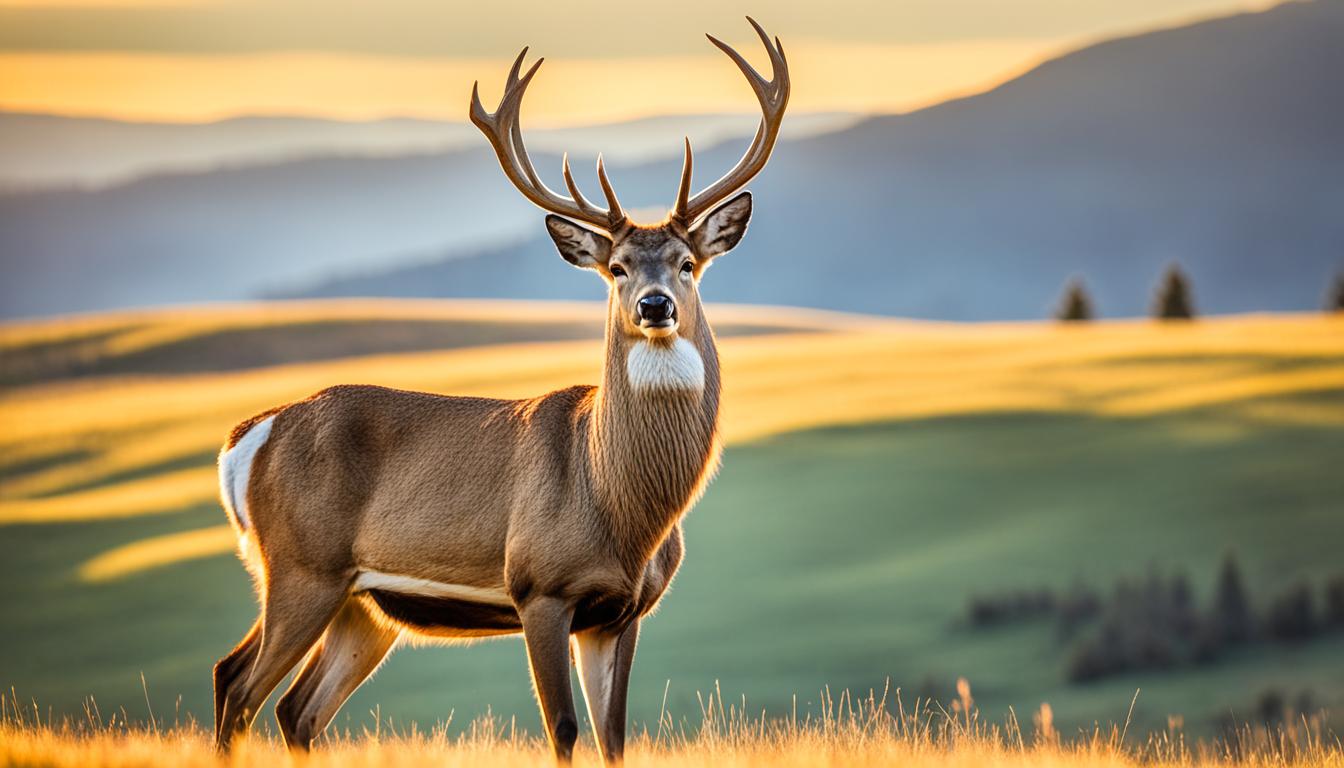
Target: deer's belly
444,610
446,616
457,610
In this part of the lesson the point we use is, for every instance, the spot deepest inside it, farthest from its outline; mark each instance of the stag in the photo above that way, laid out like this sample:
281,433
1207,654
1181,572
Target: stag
367,514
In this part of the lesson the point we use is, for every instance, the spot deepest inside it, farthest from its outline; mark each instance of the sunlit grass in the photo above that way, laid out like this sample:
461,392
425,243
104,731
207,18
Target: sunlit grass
158,551
166,492
874,730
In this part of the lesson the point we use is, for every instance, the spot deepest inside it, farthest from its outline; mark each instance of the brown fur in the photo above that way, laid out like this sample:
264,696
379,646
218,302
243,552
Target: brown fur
246,425
569,500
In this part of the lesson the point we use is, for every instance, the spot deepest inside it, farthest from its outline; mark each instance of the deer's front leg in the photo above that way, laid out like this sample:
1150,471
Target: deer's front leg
546,624
605,656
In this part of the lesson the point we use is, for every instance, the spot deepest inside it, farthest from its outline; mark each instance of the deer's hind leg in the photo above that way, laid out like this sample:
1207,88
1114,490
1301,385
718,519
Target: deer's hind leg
354,645
232,667
298,606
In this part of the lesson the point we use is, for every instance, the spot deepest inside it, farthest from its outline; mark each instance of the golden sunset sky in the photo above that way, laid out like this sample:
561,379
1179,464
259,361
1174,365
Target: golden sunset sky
196,60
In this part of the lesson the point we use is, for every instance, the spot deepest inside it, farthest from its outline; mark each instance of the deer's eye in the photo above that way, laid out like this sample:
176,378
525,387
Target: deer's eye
617,270
687,268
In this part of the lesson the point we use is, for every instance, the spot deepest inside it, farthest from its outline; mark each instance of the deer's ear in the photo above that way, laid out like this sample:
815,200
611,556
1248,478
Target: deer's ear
721,231
580,246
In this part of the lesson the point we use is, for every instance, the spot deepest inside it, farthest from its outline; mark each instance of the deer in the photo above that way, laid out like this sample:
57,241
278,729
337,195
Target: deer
366,515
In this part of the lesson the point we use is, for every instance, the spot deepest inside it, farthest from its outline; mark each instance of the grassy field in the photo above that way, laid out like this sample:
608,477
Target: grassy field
878,473
877,730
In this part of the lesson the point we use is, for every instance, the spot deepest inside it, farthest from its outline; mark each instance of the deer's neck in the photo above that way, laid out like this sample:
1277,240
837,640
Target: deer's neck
654,433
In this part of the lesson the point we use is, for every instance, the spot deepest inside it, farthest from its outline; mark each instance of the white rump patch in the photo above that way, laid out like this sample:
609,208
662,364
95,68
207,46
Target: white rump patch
677,366
410,585
235,468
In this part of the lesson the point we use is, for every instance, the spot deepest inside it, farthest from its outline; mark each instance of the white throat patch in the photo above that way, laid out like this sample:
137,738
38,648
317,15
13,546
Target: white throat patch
677,366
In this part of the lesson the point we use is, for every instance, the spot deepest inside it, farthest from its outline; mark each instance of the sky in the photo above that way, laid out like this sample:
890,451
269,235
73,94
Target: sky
199,60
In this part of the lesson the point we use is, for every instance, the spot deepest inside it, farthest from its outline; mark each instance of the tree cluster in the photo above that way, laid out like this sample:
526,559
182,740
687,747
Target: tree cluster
1157,623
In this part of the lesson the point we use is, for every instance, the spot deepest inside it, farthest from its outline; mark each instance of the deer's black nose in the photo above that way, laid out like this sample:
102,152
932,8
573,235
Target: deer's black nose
656,308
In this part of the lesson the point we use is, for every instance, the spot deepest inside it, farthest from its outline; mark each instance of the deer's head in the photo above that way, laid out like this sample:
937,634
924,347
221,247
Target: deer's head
653,270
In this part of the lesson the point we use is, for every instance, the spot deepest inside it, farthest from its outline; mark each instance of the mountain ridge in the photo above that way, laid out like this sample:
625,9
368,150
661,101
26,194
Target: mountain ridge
43,151
1163,169
1211,144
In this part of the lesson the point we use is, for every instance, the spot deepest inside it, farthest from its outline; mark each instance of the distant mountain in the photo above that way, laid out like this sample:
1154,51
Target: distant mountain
38,150
51,150
1219,145
232,232
1215,144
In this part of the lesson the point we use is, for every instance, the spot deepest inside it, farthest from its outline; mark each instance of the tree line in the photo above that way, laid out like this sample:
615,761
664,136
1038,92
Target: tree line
1157,623
1173,298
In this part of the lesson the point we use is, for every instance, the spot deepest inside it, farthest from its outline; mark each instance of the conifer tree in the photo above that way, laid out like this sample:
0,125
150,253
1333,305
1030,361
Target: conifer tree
1076,306
1232,618
1173,300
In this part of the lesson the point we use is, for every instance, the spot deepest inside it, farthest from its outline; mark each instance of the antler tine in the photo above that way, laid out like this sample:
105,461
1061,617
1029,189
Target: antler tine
478,114
773,95
615,216
511,107
614,212
512,79
506,137
684,189
573,188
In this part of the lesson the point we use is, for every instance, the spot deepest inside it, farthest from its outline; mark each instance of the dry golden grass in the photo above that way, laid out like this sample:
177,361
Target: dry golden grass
166,492
136,445
875,730
158,551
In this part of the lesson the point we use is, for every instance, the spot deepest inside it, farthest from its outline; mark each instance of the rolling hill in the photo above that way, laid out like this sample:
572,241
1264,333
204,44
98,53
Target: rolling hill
1215,144
878,472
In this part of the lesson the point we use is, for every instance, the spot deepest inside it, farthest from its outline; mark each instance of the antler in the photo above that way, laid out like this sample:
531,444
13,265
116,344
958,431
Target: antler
773,95
502,129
